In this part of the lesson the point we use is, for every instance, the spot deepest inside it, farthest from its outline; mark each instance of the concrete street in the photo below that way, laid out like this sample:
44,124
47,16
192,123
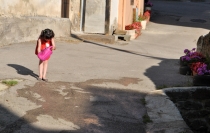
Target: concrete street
96,87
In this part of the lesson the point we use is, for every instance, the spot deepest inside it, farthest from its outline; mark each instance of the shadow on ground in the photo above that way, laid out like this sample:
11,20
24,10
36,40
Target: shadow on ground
80,107
166,74
23,70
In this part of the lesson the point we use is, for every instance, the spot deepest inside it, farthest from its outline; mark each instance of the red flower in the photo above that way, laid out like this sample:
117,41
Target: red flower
147,13
194,66
135,25
128,27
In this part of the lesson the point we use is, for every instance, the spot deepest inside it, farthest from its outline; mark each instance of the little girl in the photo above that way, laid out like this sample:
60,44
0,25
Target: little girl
46,39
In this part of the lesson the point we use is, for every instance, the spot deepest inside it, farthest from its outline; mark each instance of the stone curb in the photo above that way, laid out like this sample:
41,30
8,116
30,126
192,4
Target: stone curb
163,112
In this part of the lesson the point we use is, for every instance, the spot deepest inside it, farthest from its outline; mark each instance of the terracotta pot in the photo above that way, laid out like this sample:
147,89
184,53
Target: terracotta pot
194,73
148,19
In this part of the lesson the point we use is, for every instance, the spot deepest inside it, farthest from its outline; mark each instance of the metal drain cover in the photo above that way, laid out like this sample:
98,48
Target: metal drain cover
198,20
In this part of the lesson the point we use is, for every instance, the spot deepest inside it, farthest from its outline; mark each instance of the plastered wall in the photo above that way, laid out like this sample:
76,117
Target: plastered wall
22,29
125,10
11,8
114,15
23,20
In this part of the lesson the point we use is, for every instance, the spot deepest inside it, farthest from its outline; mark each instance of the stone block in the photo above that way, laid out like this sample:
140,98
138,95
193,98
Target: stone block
123,37
120,32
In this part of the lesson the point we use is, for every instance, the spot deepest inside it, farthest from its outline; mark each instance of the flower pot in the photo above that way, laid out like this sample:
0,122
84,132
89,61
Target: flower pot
137,33
181,62
148,19
144,24
185,70
194,73
201,80
132,33
148,8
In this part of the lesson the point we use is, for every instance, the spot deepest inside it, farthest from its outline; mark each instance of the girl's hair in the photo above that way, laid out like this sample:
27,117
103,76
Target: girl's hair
47,34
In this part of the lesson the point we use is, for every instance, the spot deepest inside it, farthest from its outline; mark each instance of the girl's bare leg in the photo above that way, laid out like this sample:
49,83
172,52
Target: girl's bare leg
45,65
40,69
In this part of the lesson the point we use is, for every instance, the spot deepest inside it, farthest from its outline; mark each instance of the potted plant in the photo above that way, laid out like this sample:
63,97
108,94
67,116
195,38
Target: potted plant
143,20
147,15
199,68
148,5
191,56
201,74
134,29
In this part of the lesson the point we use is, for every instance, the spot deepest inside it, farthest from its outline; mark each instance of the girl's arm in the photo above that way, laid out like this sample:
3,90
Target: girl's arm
53,44
39,45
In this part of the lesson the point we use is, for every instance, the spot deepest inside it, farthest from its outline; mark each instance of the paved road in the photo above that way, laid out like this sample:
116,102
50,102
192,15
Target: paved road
95,87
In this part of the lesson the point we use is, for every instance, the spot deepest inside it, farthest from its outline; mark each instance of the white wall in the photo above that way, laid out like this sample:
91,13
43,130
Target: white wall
113,15
11,8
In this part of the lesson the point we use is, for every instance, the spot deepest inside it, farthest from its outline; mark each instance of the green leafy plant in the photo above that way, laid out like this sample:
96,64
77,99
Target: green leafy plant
10,82
142,17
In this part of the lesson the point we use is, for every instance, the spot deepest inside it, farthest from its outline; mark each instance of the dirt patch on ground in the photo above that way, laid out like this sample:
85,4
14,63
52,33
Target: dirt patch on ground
89,108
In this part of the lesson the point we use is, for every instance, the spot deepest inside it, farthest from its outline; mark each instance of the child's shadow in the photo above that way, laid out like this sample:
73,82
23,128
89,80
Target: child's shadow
23,70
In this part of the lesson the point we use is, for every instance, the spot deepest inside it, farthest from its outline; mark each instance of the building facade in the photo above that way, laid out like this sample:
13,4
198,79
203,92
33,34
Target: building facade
103,16
23,20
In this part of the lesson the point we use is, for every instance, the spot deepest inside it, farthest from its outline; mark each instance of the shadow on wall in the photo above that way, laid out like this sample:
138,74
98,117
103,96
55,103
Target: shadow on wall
100,109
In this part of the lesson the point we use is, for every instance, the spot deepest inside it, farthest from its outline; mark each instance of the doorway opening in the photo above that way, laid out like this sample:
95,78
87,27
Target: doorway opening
65,9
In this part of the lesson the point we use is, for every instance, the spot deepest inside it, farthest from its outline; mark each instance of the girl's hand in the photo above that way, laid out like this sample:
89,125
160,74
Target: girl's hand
53,48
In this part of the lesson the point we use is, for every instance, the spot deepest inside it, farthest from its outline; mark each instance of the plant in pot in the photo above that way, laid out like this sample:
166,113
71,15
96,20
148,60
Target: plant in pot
190,57
143,20
147,15
148,5
142,17
136,26
199,68
201,74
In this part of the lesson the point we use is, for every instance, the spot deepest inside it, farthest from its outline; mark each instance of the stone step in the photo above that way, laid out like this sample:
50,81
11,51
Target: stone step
123,37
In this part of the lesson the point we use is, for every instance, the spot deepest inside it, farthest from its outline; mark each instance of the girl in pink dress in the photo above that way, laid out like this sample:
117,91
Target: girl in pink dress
46,39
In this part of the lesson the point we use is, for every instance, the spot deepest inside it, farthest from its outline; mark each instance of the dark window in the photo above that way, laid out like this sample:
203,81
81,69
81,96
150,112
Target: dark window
65,9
